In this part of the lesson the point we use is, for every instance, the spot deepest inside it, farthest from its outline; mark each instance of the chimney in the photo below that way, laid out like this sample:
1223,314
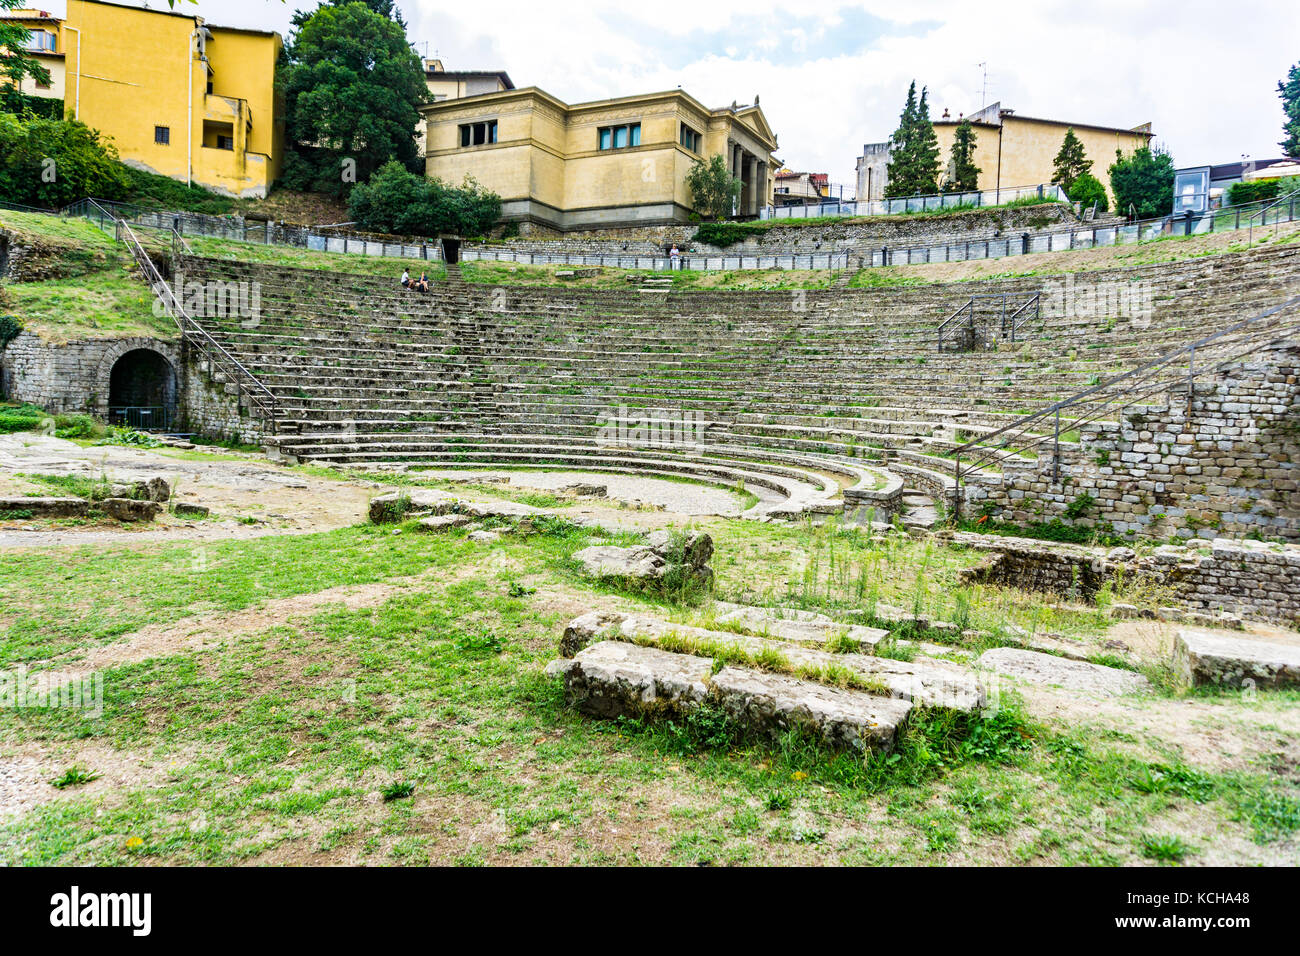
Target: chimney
946,114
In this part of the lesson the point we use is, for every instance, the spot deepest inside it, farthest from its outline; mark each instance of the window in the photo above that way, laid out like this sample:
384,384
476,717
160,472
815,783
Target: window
225,142
162,135
619,137
41,41
691,139
478,134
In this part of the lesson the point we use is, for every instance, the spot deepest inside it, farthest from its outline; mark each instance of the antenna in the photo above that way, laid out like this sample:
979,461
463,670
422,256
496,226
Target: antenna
984,88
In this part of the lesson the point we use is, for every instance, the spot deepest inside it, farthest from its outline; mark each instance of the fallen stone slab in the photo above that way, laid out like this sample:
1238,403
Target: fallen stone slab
583,490
443,522
844,719
484,537
45,507
610,561
932,683
798,626
184,509
1048,669
394,505
612,679
696,547
1208,658
130,509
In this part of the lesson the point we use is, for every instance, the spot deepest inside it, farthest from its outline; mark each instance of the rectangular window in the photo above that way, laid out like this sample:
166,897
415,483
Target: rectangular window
478,134
225,142
41,41
619,137
690,139
162,135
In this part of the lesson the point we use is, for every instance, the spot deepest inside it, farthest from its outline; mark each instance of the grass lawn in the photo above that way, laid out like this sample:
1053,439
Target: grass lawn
284,738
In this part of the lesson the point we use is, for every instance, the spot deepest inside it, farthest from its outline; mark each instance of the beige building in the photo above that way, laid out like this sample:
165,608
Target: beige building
46,47
446,84
1011,150
607,164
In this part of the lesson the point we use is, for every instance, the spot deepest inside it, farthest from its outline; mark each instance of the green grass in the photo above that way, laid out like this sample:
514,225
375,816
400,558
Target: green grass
419,728
295,258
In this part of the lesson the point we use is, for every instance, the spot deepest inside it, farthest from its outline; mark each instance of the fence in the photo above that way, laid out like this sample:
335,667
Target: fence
914,204
1248,216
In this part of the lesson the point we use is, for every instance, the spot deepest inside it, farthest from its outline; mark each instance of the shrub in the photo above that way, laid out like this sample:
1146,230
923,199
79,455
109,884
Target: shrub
724,234
1145,181
84,164
397,201
1260,190
1088,189
9,329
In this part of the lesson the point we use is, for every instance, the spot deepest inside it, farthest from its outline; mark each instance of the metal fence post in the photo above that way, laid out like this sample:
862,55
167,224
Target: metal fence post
1056,449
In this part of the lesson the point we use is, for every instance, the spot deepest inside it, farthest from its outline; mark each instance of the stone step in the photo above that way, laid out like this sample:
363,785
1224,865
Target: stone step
797,626
1207,657
614,679
1048,669
931,683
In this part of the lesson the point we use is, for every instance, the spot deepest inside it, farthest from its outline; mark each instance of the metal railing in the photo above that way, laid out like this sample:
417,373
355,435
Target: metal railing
935,202
141,417
1262,215
248,390
961,330
1161,375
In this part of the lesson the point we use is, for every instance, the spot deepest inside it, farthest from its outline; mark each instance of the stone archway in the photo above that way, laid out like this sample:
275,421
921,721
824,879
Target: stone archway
142,389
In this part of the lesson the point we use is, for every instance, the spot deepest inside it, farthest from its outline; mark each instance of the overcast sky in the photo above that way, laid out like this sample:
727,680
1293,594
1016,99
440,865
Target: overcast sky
833,76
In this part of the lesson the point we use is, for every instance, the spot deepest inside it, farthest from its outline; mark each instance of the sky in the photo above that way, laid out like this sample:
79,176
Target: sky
833,76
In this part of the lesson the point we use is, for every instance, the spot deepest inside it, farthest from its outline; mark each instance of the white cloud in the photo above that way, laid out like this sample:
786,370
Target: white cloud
1203,74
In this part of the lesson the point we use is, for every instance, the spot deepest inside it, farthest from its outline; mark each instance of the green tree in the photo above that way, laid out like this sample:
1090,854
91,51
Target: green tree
1071,162
914,150
15,64
1143,181
396,200
1087,189
1289,91
714,190
352,88
50,163
963,174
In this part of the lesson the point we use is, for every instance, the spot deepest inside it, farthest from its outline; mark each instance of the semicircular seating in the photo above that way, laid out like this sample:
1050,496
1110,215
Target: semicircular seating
814,401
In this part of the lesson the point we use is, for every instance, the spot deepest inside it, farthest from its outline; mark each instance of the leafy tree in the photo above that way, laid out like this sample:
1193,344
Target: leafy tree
1087,189
714,190
1071,162
395,200
1289,91
15,64
914,150
963,174
385,8
352,87
50,163
1144,181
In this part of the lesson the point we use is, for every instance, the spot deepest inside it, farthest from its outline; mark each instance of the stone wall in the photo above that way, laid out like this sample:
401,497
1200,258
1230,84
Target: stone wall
71,376
74,377
1230,468
1250,579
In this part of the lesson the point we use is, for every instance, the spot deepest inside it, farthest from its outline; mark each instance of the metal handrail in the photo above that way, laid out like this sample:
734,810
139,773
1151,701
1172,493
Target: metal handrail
969,309
1009,324
1262,214
1144,380
246,383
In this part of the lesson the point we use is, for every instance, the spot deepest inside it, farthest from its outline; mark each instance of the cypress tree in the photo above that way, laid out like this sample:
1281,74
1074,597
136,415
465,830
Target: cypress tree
1071,162
963,174
898,172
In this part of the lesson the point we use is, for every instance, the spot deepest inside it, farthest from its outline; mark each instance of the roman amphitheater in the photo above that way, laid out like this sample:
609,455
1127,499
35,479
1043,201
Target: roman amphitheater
958,541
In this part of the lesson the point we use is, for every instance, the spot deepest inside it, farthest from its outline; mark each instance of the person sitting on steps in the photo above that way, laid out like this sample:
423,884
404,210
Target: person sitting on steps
423,284
406,279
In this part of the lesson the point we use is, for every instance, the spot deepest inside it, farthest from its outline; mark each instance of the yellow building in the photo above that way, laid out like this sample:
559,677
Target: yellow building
1012,150
178,96
45,46
606,164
